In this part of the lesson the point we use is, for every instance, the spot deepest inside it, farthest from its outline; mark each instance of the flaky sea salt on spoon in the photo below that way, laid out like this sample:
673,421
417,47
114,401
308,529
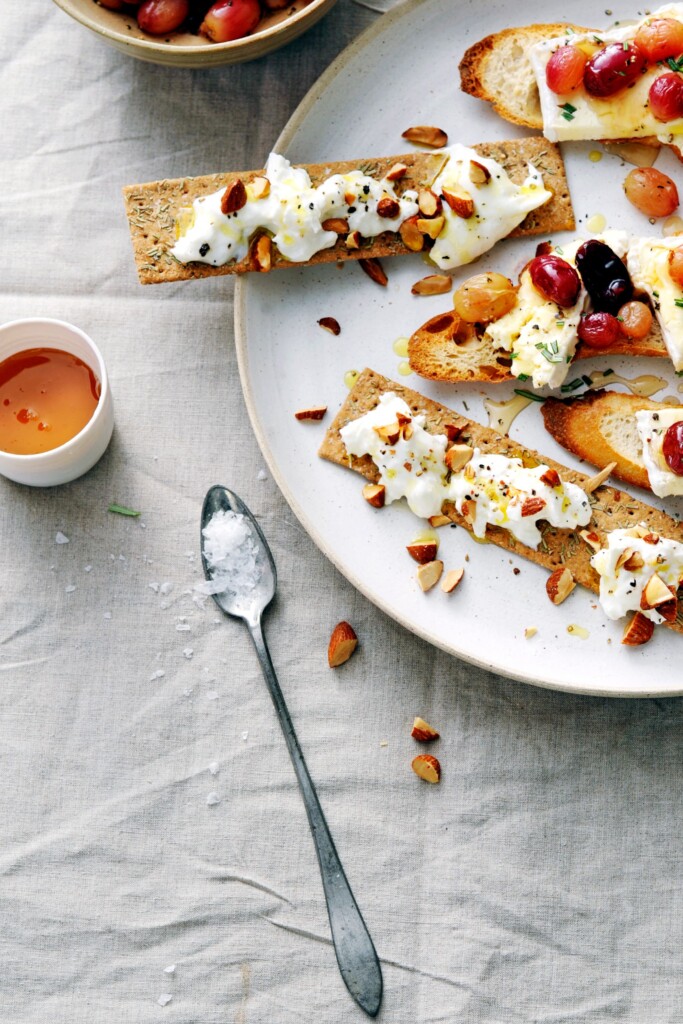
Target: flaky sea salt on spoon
230,554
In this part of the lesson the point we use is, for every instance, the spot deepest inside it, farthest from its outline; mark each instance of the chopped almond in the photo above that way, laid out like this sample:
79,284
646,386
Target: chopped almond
532,506
432,284
343,643
262,254
339,225
453,431
375,271
426,767
560,584
457,456
451,580
638,631
396,172
655,592
328,323
429,574
591,538
436,521
479,173
429,204
551,478
354,240
423,551
411,235
430,226
426,135
234,197
460,201
530,631
375,495
388,207
389,433
599,478
259,187
316,412
423,732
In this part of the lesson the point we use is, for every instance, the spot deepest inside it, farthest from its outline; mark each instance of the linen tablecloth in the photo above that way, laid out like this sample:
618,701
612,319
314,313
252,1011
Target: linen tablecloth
153,841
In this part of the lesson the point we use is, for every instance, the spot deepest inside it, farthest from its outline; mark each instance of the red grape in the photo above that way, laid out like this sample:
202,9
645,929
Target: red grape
555,279
666,97
161,16
672,448
230,19
613,68
651,192
599,330
564,70
660,38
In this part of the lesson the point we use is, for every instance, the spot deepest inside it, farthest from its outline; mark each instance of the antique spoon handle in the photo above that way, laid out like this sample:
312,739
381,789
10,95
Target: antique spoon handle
353,946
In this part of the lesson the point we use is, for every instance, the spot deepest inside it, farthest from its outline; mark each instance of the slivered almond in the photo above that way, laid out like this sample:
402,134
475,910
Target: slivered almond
460,201
259,187
234,197
655,592
430,226
426,767
531,506
560,584
636,561
262,254
375,495
469,511
591,538
339,225
388,208
396,172
429,574
353,240
426,135
328,323
423,551
432,284
316,412
551,477
625,557
375,271
423,732
451,580
343,643
457,456
436,521
479,173
638,631
389,433
411,235
599,478
429,204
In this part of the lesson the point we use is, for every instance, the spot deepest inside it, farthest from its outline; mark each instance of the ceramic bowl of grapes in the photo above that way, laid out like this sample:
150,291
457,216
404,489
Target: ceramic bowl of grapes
197,33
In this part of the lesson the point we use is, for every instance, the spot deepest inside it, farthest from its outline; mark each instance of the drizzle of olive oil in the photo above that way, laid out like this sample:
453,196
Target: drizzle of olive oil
596,224
503,414
400,347
580,631
350,378
404,368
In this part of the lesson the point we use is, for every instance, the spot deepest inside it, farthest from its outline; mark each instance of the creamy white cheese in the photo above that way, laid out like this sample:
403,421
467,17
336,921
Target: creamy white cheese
490,490
652,426
648,265
621,589
294,211
624,115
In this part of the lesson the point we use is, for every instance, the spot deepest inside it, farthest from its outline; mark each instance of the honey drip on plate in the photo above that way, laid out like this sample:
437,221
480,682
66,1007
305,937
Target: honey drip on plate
400,347
596,224
644,386
503,414
579,631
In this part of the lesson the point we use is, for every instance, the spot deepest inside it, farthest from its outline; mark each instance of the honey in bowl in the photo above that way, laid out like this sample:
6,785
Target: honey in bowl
47,396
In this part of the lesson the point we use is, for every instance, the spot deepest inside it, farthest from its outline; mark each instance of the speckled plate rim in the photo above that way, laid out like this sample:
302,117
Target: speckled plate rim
364,42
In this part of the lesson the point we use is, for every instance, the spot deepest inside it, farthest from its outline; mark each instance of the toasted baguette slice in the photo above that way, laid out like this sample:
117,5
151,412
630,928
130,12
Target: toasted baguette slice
444,348
600,427
612,510
151,209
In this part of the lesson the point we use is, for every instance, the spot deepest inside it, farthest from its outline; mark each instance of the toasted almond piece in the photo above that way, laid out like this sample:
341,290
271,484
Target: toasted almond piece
638,531
426,135
262,254
430,226
599,478
350,198
460,201
591,538
457,456
426,767
423,732
339,225
436,521
479,174
423,551
531,506
396,172
375,495
388,207
626,557
636,561
389,433
234,197
328,323
432,284
655,592
560,584
469,511
411,235
353,240
530,631
451,580
453,431
651,538
259,187
428,203
316,412
429,574
638,631
551,477
375,271
343,643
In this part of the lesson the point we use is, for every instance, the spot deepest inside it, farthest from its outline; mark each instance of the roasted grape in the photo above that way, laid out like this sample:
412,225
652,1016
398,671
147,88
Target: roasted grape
651,192
613,68
599,330
564,70
555,279
158,17
484,297
666,97
660,38
230,19
635,320
672,448
604,275
676,266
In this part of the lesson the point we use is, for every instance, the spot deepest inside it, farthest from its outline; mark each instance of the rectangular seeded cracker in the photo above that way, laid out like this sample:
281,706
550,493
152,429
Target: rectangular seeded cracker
151,209
612,508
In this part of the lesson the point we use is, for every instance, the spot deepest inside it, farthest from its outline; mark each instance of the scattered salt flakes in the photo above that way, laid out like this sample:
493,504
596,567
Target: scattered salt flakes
261,475
159,674
164,605
170,969
87,568
107,615
143,526
212,695
187,652
61,538
214,767
213,799
199,600
384,743
112,558
183,627
187,692
154,587
122,558
189,554
231,555
166,587
245,735
216,622
70,589
164,999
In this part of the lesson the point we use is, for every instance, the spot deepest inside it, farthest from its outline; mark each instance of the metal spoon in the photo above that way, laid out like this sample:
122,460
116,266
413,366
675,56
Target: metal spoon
356,954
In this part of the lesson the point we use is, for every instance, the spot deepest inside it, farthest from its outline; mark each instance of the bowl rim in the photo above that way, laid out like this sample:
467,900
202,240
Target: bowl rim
75,10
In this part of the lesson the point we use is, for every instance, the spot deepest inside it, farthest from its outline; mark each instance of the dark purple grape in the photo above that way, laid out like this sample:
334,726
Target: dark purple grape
599,330
555,279
604,276
613,68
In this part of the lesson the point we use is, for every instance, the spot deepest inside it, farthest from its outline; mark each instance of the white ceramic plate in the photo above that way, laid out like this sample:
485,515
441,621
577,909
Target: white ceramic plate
404,71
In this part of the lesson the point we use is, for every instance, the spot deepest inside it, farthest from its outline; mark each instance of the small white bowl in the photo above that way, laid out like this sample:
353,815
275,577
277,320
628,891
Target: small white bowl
77,456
